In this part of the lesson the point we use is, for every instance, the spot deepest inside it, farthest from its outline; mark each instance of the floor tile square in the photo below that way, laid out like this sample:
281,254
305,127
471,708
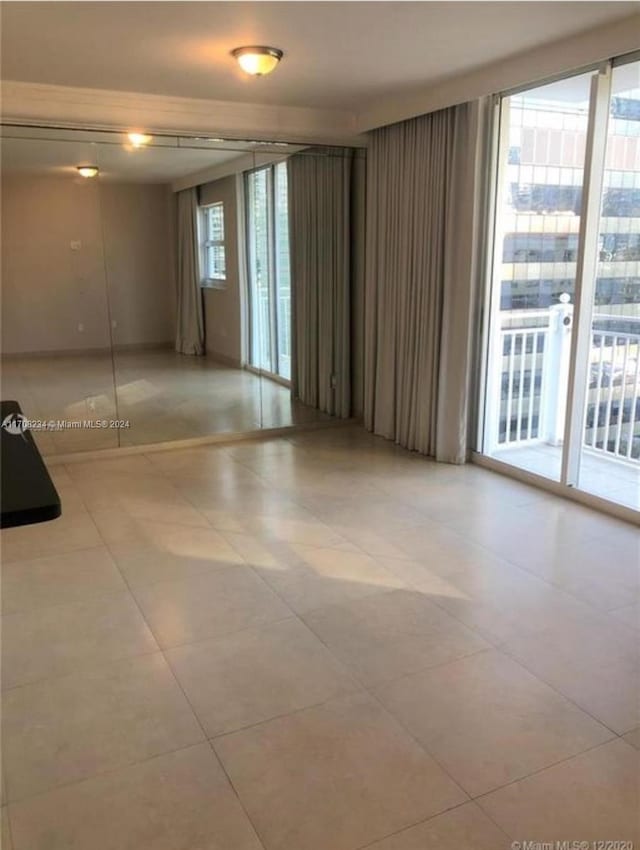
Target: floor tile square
488,721
49,642
596,664
78,576
65,534
257,674
595,795
339,776
326,576
208,605
389,635
66,729
178,800
175,552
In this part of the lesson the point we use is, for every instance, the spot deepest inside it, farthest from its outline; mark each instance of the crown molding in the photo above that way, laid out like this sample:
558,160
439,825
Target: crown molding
529,67
65,106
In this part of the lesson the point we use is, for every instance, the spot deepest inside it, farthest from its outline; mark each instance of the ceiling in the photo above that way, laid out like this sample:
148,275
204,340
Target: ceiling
343,55
117,162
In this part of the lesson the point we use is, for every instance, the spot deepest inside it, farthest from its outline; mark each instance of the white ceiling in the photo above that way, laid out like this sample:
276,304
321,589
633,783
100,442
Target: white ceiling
116,162
343,55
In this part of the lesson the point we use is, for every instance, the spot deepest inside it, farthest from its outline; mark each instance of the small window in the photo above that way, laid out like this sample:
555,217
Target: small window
212,256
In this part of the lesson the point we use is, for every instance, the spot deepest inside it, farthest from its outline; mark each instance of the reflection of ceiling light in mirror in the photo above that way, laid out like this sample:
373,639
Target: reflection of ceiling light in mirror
87,170
257,60
139,139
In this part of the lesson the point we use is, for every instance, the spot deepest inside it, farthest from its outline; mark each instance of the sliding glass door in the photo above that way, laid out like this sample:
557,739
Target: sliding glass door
609,463
268,269
562,395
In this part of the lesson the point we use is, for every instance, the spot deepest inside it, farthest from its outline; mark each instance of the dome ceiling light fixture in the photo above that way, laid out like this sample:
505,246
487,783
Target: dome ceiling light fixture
257,60
87,170
138,140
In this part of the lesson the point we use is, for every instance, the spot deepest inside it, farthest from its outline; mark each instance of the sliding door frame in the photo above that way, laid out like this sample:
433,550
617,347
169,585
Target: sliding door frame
586,271
585,282
273,329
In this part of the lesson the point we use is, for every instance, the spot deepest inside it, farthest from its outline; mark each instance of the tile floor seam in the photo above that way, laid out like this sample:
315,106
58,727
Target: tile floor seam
292,713
99,597
194,714
82,671
471,796
238,798
427,820
206,570
112,770
564,696
478,798
401,725
555,586
495,641
400,676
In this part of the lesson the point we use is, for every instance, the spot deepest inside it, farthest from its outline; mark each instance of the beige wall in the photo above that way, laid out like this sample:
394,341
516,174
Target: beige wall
54,298
520,69
222,307
140,271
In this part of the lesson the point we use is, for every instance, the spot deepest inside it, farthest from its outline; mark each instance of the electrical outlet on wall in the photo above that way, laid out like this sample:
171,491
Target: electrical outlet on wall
75,244
80,327
333,382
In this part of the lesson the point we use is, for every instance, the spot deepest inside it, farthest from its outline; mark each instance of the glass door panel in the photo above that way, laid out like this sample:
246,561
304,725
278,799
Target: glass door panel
283,274
610,457
540,181
259,263
269,270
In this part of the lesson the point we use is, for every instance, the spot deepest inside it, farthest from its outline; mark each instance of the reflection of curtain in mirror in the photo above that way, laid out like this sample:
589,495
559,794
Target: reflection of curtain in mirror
319,233
419,295
190,314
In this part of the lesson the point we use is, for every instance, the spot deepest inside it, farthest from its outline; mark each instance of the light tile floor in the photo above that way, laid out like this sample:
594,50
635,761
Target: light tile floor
317,643
161,394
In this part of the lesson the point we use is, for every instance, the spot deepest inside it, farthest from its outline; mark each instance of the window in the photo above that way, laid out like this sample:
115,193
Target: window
212,256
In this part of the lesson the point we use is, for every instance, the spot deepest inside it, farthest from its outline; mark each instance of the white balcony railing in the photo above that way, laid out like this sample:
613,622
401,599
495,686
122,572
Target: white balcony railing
529,374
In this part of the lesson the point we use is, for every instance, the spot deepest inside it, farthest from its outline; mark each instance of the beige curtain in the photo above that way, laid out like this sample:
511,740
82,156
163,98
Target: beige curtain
320,249
420,281
190,313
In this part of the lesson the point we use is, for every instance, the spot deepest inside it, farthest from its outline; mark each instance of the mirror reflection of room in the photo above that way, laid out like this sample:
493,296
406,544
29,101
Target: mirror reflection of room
56,341
160,293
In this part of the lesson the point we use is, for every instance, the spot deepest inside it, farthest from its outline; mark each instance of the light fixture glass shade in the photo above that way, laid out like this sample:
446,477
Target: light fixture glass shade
138,140
87,170
257,60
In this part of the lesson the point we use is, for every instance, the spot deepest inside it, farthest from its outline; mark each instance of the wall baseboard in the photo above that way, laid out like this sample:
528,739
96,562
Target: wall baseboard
144,346
88,352
194,442
224,359
56,352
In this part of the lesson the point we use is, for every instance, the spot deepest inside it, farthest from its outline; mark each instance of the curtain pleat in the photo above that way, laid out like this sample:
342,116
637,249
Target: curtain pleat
320,249
419,291
190,313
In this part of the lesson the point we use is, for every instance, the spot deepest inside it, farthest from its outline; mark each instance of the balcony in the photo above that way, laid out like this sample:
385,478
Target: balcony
529,375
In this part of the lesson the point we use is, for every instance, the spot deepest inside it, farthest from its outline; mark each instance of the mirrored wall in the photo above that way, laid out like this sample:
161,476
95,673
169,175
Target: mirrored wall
147,285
